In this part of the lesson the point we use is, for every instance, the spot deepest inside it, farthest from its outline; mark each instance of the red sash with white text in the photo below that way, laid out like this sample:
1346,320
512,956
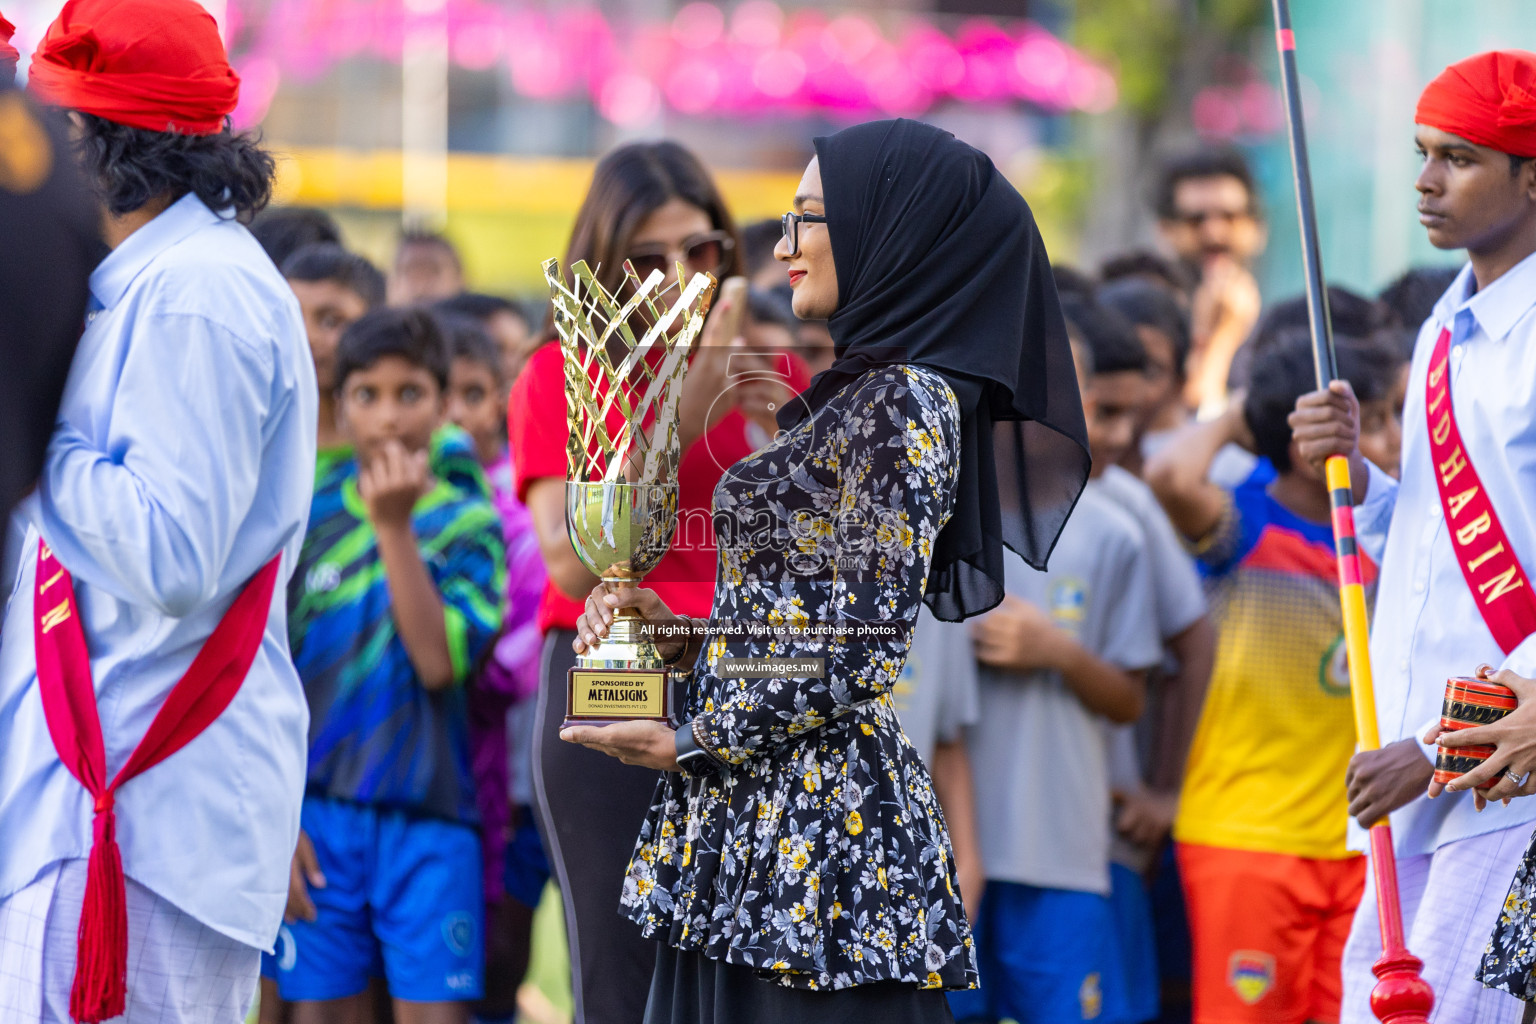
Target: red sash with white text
69,705
1487,559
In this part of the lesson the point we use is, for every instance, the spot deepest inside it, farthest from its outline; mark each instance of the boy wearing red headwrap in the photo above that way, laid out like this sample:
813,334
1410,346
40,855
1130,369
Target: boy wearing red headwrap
152,725
1456,542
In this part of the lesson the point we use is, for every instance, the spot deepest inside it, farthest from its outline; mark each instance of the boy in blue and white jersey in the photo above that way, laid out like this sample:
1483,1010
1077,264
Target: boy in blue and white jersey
396,597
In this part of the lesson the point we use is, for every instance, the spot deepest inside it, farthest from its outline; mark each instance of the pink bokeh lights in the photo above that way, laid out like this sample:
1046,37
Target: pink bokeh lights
753,59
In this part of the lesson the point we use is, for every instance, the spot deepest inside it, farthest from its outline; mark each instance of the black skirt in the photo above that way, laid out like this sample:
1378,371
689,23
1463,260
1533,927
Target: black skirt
690,988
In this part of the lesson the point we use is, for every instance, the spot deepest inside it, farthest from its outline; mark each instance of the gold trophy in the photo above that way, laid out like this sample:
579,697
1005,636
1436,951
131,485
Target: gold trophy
621,481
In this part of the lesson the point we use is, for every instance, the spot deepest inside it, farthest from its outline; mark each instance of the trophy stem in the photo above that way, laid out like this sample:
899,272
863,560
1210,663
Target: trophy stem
626,644
627,630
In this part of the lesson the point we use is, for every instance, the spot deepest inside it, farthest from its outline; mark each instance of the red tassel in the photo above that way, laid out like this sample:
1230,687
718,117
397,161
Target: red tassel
101,965
100,990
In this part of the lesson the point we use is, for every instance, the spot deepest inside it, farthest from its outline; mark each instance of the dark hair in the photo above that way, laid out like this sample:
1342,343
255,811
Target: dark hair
1070,281
1283,372
481,307
132,166
1108,336
1143,265
410,333
465,338
1205,163
1349,312
428,240
1412,297
770,307
628,185
284,230
1145,304
758,241
328,261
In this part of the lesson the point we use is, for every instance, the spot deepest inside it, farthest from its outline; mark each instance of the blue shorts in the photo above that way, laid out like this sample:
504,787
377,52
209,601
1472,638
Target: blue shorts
401,892
1043,956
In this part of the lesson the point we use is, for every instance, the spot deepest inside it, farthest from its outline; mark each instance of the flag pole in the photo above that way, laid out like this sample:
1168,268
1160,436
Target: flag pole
1401,995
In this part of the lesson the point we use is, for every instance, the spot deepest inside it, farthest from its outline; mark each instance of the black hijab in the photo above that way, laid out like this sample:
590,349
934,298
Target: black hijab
51,243
939,264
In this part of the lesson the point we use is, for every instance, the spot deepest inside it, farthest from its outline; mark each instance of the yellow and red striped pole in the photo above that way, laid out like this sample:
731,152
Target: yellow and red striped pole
1401,995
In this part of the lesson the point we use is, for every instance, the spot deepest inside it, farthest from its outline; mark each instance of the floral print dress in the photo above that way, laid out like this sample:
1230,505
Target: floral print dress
818,853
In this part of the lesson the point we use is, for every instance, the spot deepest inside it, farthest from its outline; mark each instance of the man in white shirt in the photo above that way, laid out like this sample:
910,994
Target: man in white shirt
172,503
1453,592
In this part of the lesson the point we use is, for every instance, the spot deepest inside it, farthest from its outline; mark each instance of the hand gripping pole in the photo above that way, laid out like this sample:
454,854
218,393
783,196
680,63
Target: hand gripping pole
1401,995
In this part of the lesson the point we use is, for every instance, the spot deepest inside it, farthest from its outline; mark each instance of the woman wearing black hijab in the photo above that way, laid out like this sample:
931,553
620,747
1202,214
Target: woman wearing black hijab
795,863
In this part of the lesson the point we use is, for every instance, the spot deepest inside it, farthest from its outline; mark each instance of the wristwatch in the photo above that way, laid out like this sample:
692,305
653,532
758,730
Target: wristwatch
692,757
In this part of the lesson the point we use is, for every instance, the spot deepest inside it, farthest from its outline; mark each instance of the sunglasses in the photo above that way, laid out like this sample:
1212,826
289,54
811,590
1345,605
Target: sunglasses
701,254
791,223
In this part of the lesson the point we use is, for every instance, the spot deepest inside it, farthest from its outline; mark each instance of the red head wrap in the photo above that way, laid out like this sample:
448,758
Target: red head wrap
155,64
1489,99
8,54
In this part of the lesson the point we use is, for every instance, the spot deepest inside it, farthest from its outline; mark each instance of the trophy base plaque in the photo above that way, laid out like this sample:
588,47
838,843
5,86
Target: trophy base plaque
621,678
605,696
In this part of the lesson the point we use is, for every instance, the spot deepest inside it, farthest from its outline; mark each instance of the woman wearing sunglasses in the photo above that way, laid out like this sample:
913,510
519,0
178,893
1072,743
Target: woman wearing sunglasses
794,865
654,205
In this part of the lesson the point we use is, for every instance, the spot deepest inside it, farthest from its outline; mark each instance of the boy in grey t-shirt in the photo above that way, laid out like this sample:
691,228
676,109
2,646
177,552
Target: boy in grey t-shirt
1064,658
1064,654
1146,759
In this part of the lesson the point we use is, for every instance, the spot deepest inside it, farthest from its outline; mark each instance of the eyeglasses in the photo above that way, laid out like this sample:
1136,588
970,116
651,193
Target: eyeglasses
1197,218
792,222
701,254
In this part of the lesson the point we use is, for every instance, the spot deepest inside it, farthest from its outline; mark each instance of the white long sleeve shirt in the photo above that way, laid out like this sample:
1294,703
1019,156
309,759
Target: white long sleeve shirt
1426,626
182,461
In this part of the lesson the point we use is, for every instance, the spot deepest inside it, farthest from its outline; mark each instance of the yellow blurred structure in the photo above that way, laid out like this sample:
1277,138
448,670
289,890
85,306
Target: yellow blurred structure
506,214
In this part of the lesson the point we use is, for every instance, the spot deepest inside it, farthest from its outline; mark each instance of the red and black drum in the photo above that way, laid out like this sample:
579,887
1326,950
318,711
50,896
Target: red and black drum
1469,702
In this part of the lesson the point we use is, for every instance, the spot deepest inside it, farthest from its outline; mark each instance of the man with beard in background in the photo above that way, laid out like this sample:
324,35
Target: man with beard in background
1208,215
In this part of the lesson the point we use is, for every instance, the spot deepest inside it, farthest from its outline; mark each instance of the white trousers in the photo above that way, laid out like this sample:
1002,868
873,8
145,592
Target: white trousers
1451,902
180,971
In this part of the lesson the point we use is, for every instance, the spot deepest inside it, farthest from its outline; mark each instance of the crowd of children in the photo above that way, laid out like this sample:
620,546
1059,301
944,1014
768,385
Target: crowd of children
1140,752
1145,753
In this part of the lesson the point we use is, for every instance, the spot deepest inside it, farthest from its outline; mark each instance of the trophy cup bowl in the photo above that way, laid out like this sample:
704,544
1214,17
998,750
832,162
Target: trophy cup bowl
622,389
620,532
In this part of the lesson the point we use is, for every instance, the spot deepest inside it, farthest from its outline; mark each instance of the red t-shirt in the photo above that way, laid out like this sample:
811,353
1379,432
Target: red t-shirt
536,427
